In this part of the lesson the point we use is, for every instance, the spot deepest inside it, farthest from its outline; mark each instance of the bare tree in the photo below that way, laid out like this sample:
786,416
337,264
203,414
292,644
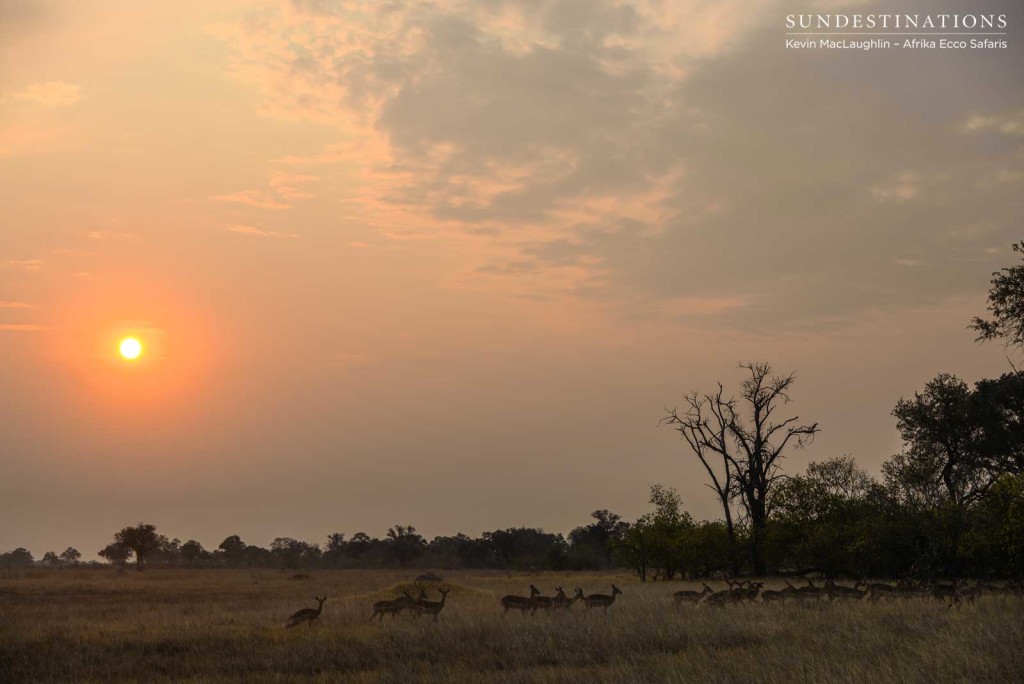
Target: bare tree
705,425
750,442
762,441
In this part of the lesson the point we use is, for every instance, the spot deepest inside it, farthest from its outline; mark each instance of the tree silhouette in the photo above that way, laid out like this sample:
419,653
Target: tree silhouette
142,540
234,550
192,551
941,435
1006,305
404,544
115,553
748,439
70,555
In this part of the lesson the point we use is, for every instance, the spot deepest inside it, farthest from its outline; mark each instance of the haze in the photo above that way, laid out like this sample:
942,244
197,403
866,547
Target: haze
447,263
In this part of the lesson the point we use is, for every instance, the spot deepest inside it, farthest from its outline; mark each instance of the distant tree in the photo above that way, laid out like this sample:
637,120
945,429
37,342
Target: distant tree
142,540
633,549
360,544
18,558
115,553
51,558
192,552
292,553
71,556
336,549
405,544
597,540
525,548
458,551
668,529
234,550
1005,305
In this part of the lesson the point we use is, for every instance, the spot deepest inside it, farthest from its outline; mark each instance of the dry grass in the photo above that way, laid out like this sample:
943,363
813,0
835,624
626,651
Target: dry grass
210,626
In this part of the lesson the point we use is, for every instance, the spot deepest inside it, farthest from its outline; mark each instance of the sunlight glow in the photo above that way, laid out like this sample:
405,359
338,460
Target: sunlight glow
130,348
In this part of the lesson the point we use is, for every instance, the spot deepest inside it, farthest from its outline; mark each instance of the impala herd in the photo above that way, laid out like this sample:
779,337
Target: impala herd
749,591
737,592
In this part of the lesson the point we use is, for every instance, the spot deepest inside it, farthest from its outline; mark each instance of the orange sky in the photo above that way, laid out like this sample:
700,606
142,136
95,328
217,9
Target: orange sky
446,263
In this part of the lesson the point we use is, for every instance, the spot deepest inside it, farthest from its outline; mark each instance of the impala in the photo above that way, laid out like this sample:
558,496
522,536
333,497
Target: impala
601,600
835,591
308,615
537,600
808,593
513,602
424,607
683,596
876,589
720,598
563,602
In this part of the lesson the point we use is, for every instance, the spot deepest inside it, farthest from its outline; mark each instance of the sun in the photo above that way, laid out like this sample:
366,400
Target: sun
130,348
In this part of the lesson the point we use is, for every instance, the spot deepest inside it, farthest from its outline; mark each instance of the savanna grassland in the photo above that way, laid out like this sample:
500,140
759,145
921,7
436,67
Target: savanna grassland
225,625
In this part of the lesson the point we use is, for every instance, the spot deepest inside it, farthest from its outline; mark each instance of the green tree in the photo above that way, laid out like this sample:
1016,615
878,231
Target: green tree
1005,305
669,526
633,549
941,435
998,410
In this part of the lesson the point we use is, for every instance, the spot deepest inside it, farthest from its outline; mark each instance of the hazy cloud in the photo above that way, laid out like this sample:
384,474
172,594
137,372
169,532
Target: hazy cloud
1008,124
50,95
642,153
259,232
26,264
252,198
287,185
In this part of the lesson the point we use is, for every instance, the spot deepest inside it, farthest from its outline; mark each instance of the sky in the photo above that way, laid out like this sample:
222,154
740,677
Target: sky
446,263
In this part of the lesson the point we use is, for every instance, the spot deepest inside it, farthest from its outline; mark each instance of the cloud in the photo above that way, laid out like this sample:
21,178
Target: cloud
286,185
643,153
14,305
27,264
346,360
51,95
252,198
110,235
903,188
704,306
259,232
1007,124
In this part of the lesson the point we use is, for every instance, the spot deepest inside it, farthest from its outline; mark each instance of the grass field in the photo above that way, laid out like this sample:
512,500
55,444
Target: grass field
212,626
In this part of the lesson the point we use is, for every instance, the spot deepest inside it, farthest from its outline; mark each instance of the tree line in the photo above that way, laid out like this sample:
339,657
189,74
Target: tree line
950,503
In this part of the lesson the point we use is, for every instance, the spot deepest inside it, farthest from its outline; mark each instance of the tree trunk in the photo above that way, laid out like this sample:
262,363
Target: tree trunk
758,517
730,533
